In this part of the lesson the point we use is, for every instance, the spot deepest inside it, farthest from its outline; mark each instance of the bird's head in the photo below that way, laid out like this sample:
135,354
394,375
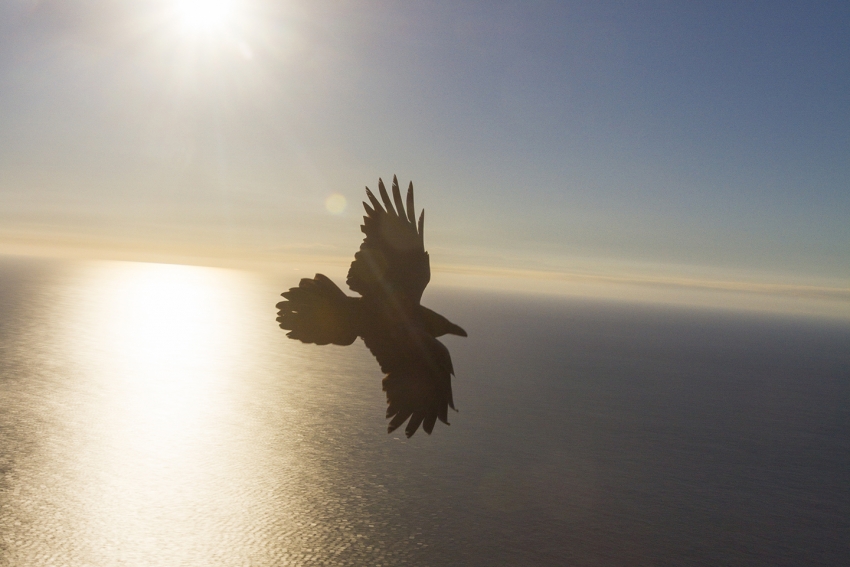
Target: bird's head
436,325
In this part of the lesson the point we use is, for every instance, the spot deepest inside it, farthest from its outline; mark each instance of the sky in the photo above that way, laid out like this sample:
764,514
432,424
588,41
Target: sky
666,140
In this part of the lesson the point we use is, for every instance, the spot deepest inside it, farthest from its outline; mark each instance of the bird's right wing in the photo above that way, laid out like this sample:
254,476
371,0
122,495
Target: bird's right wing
418,380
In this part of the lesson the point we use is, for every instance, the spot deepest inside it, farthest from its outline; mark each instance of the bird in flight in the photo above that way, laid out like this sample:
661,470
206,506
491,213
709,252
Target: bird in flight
390,272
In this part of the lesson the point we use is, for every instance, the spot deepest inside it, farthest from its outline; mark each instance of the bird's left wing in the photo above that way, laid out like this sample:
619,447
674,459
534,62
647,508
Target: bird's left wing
392,260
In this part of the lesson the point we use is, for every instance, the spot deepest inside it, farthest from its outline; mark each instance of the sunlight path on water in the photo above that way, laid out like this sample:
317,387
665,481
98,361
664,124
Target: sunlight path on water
171,427
162,348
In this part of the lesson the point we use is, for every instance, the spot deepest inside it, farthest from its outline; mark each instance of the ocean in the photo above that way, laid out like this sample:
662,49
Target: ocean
156,415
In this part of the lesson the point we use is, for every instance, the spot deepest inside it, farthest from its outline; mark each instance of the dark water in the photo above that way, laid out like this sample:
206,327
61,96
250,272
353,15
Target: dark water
155,415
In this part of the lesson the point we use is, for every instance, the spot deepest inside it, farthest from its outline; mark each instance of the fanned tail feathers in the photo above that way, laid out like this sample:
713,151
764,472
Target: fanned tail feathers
317,311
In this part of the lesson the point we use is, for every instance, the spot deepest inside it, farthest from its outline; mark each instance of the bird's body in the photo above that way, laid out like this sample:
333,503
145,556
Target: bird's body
390,272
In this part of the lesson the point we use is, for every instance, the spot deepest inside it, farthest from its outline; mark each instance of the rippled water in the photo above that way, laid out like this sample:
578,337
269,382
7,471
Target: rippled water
156,415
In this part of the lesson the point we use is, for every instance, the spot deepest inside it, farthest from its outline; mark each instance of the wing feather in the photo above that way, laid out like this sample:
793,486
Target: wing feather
386,198
398,420
414,423
374,201
411,211
399,204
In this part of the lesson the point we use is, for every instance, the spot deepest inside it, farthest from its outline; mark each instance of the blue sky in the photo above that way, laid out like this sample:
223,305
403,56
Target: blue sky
678,137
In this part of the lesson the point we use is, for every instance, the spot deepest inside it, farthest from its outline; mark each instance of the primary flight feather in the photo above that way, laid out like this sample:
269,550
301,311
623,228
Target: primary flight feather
390,272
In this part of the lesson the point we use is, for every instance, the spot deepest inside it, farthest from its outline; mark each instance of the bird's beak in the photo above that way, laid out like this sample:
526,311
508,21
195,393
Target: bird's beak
456,330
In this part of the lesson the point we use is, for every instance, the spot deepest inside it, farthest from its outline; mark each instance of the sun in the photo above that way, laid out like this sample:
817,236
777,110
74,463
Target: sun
204,16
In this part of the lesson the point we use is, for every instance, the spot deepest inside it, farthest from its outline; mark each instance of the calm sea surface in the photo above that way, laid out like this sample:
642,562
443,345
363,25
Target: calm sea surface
155,415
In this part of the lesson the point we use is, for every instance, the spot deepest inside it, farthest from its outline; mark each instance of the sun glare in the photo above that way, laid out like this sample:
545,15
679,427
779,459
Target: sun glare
204,16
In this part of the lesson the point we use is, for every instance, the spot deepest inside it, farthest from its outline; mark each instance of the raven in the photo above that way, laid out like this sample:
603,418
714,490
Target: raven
390,272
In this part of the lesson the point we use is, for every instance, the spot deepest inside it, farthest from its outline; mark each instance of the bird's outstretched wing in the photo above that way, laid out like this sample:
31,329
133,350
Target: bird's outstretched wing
418,380
392,261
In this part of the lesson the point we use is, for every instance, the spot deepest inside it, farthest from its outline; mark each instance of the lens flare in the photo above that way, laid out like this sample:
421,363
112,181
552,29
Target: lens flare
335,204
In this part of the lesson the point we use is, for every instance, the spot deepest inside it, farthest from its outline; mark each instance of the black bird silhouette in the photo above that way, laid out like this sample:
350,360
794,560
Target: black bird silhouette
390,272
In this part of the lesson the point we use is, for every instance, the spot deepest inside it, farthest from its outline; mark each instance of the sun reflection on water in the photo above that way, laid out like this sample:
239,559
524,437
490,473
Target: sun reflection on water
168,335
165,337
162,418
151,448
160,343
